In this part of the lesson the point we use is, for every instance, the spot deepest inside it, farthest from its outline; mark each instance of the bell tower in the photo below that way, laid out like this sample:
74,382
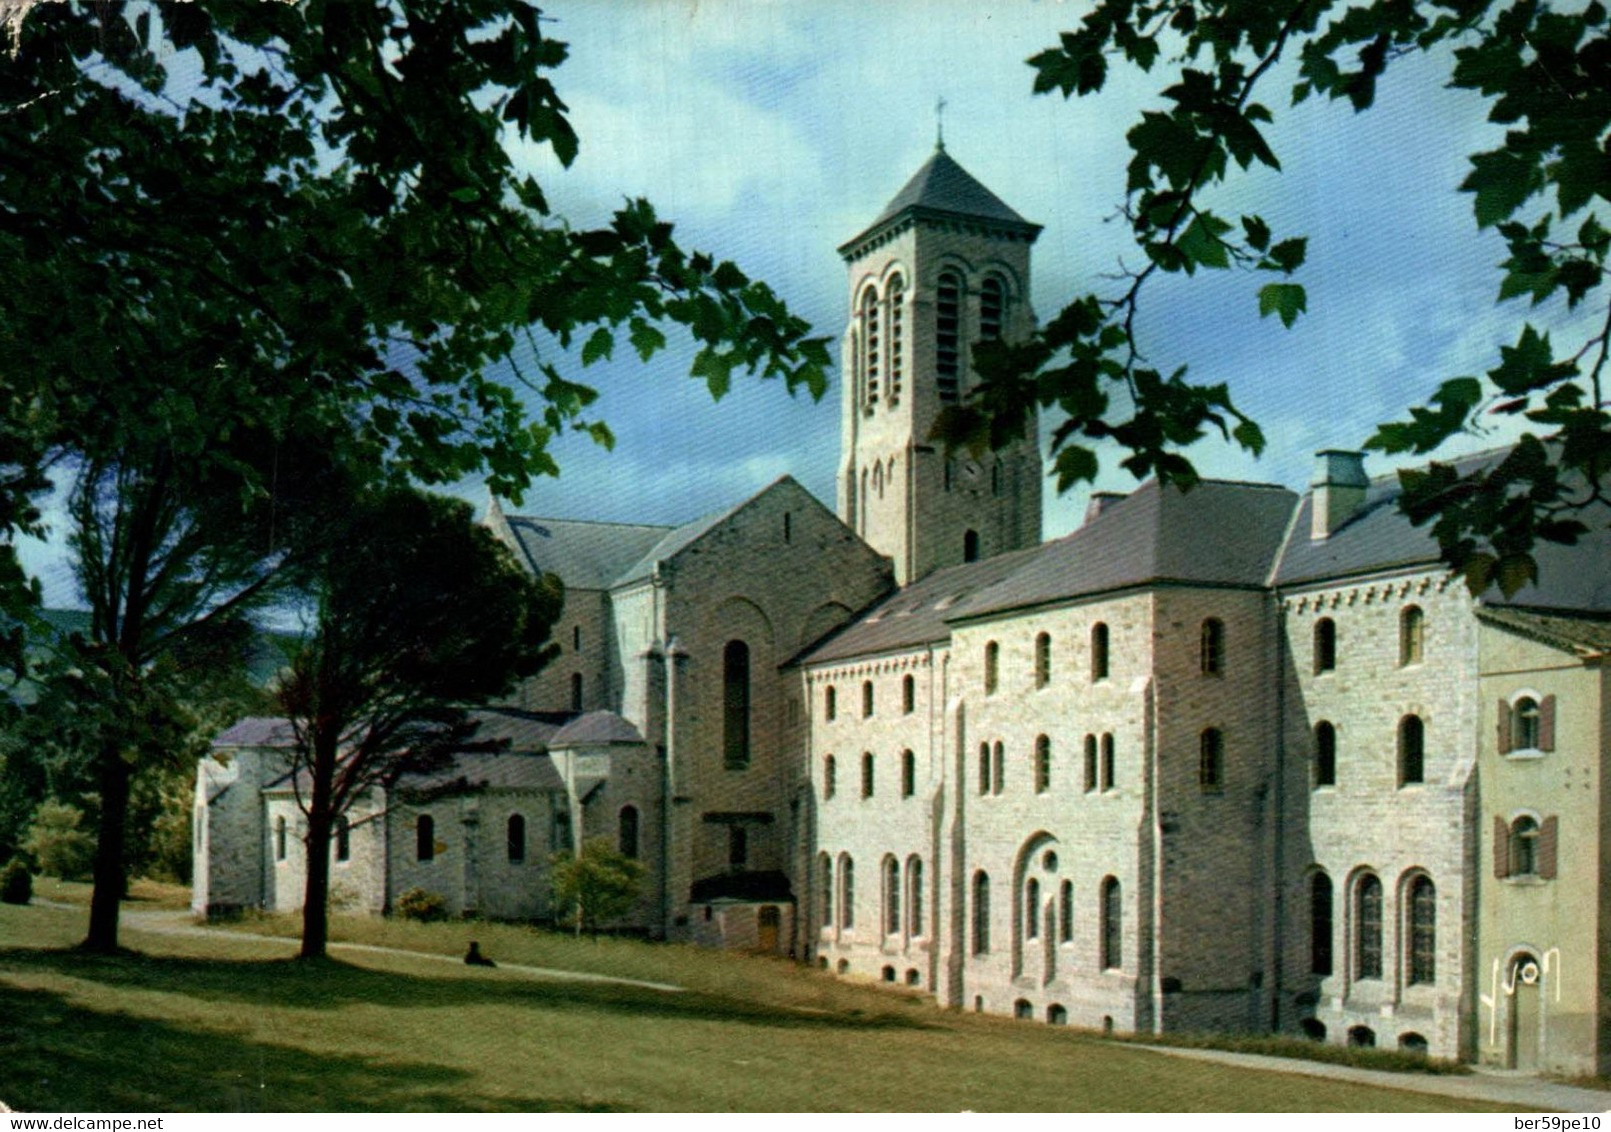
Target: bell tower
945,265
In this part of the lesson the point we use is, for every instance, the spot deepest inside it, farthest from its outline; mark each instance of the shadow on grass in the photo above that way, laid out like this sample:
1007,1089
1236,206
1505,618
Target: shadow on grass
55,1056
330,984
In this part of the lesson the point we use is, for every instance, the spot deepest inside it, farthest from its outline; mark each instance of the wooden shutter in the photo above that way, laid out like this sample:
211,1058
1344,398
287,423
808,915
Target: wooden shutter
1546,724
1504,727
1501,848
1548,834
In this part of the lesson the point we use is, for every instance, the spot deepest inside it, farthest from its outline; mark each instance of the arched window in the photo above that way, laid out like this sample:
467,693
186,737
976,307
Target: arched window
1368,928
1108,776
970,546
1320,924
1423,933
1032,909
984,768
1524,838
559,831
736,705
878,480
1325,754
1211,647
892,896
948,335
829,777
342,832
908,695
830,706
914,896
1112,925
628,823
981,913
867,774
1043,764
1411,635
279,839
576,638
870,344
992,307
992,668
847,892
908,774
576,691
515,839
825,890
1099,651
1411,750
425,838
1527,725
1211,761
1325,645
866,699
896,299
1043,660
998,767
1065,912
1090,763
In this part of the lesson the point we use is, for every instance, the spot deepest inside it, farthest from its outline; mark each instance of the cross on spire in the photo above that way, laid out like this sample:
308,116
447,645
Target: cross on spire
939,124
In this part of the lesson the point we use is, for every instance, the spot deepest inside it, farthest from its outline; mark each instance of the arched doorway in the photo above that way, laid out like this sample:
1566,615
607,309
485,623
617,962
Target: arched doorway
1524,987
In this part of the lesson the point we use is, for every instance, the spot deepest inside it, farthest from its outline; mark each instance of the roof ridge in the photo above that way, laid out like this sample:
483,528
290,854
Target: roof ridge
588,522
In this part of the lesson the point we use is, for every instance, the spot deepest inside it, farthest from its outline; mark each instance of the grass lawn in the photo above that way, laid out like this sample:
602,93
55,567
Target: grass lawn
225,1022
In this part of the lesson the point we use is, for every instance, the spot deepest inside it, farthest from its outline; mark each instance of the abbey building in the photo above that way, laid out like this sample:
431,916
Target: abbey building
1236,759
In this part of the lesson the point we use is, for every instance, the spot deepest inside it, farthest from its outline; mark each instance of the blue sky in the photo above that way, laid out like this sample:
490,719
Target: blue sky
771,132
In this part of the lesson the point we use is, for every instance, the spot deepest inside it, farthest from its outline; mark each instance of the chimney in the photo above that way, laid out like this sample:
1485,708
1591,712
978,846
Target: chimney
1100,502
1339,490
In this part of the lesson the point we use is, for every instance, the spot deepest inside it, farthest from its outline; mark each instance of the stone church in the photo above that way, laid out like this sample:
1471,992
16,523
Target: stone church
1237,759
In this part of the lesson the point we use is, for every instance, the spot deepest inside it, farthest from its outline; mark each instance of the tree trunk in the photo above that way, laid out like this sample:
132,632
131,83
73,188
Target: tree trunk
110,878
321,819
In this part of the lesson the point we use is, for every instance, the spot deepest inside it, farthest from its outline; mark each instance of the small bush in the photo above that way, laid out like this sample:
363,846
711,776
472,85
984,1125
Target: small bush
422,905
16,883
57,844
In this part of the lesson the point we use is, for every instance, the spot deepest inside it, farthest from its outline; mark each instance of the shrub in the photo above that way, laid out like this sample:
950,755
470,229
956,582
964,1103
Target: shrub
57,845
595,886
422,904
16,883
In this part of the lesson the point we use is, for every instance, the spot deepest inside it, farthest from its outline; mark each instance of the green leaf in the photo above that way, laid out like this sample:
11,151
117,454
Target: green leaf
1075,464
646,338
1288,255
600,345
1258,232
1502,180
1288,300
1201,243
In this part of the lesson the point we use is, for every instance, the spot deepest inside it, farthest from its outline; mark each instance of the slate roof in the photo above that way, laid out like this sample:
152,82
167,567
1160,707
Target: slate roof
585,555
596,728
1588,637
941,187
1220,533
256,731
504,770
675,540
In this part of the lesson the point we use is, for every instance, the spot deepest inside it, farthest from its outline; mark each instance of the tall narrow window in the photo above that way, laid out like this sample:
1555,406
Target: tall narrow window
576,638
992,667
984,768
1320,924
829,777
1108,775
896,300
629,831
1211,761
738,846
847,891
343,838
1065,912
576,691
1325,645
908,695
1526,728
1368,928
970,546
1112,925
736,705
559,831
908,774
425,838
1411,750
1043,764
824,890
866,699
998,767
515,839
1211,647
914,896
1523,847
1043,660
830,705
867,774
981,913
1423,931
870,344
992,308
279,839
1032,909
1090,763
1099,651
788,527
1411,635
1325,754
892,896
948,335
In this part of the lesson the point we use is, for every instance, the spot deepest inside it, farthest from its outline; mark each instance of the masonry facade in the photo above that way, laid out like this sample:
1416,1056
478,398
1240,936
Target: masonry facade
1238,759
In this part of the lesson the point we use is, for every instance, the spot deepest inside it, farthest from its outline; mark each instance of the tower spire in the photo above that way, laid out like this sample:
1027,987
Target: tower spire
939,125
